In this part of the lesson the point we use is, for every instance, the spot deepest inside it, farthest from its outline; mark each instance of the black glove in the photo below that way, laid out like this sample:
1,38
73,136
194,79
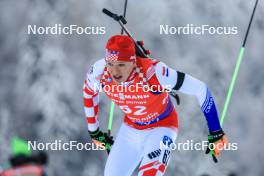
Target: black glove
102,138
219,139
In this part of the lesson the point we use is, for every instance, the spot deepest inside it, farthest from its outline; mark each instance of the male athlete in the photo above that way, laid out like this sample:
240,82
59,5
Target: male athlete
150,117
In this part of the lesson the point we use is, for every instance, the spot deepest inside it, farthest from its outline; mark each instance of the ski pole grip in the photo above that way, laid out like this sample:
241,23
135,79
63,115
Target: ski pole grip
107,12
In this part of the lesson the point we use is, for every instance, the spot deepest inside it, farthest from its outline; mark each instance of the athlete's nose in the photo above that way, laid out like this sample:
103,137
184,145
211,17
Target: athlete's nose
115,70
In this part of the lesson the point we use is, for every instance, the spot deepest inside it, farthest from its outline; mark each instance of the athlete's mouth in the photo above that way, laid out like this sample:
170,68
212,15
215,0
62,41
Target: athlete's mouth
118,77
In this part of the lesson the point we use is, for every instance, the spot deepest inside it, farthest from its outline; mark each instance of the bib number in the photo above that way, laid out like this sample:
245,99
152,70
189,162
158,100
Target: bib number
137,110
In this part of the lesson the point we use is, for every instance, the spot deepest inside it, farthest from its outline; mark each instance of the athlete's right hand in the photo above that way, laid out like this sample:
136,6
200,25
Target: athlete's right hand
102,139
219,141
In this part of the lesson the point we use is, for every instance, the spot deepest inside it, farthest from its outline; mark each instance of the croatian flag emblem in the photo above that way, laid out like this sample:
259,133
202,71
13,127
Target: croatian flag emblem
111,55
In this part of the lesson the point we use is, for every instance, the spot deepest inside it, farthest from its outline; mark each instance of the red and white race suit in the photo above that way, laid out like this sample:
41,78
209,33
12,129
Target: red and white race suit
150,117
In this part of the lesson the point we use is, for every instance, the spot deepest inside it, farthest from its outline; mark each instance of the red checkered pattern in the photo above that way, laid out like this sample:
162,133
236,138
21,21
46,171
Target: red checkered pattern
111,55
114,56
104,77
91,106
143,80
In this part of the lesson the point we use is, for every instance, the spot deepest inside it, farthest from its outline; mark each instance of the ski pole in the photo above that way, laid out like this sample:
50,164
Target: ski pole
112,106
124,15
239,59
235,73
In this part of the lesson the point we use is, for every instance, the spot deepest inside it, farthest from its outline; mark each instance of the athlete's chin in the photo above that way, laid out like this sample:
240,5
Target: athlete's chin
119,81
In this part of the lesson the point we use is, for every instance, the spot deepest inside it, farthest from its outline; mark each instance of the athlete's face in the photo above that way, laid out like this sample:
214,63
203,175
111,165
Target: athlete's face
120,70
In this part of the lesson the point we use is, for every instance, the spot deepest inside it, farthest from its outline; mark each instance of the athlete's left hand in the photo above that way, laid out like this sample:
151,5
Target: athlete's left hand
217,141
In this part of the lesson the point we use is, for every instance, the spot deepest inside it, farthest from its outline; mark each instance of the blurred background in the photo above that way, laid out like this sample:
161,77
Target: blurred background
41,77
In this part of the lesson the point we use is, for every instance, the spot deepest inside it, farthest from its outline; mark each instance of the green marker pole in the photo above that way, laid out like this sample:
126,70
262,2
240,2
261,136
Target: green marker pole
238,63
232,84
110,119
235,73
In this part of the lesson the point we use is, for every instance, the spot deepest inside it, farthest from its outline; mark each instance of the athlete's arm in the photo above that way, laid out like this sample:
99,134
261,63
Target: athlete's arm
189,85
91,89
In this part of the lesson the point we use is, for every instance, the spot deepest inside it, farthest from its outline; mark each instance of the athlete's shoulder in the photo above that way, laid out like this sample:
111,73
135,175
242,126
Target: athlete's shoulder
147,65
161,69
165,74
94,75
97,68
146,62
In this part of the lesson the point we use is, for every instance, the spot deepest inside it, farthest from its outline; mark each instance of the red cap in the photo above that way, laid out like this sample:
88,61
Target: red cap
120,48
